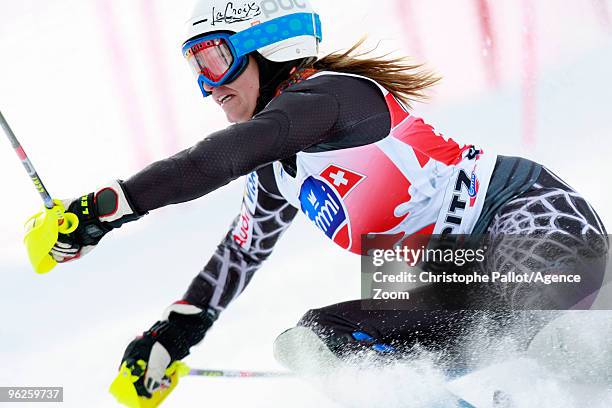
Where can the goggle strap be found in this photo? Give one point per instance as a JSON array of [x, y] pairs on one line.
[[276, 30]]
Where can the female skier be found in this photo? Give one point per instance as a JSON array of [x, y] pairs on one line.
[[331, 137]]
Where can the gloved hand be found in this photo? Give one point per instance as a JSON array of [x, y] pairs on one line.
[[98, 213], [168, 340]]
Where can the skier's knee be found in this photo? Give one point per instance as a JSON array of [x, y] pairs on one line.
[[325, 322], [341, 335], [314, 319]]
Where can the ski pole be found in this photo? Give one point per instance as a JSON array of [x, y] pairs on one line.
[[27, 163], [239, 373], [42, 229], [124, 390]]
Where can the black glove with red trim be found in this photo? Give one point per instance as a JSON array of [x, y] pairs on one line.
[[98, 213]]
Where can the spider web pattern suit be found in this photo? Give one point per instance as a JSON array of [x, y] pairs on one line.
[[549, 228], [243, 250]]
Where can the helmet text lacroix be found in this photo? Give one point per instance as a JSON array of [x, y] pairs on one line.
[[234, 14]]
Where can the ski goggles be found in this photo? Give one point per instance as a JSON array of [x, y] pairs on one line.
[[220, 57]]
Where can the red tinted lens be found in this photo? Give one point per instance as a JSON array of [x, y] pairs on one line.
[[212, 58]]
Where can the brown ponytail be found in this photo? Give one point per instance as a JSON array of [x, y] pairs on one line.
[[406, 81]]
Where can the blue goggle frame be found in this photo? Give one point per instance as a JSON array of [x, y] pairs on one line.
[[256, 37], [238, 65]]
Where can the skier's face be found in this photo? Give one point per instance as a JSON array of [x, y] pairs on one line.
[[238, 99]]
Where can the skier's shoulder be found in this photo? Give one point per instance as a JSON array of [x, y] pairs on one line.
[[348, 99], [337, 84]]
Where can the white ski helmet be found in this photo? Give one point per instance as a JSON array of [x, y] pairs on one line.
[[281, 44], [221, 33]]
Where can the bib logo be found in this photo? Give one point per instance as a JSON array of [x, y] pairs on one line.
[[322, 205], [458, 204], [473, 191], [321, 200]]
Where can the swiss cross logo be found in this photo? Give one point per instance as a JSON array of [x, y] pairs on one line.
[[343, 180]]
